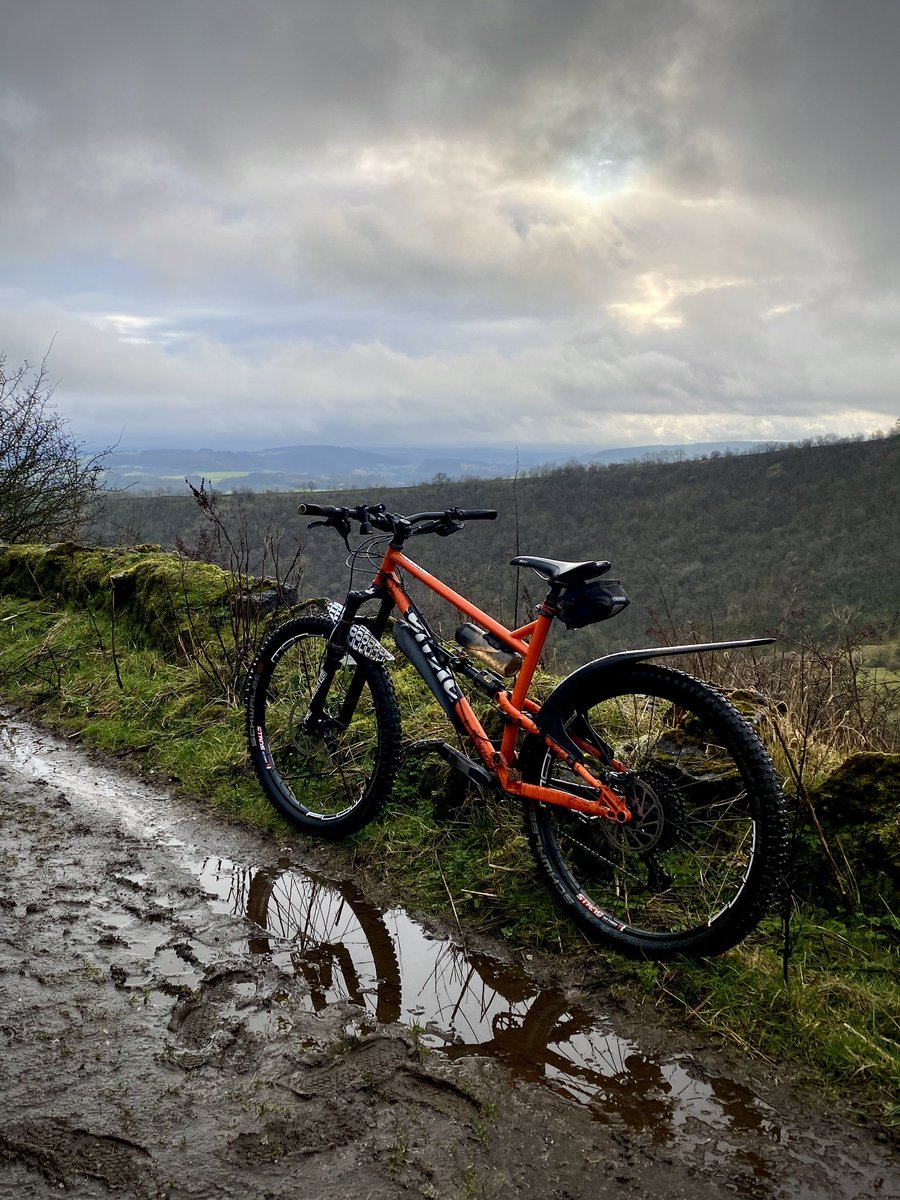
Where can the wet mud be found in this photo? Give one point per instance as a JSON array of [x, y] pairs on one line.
[[189, 1010]]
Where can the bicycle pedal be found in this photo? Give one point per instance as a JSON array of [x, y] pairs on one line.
[[422, 746]]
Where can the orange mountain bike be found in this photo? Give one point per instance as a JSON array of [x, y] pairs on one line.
[[651, 807]]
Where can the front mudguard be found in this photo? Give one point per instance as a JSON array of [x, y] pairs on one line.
[[360, 641], [567, 695]]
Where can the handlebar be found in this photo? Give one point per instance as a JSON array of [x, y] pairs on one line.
[[455, 514], [370, 516]]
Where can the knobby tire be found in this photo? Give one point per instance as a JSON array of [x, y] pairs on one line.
[[701, 861], [330, 780]]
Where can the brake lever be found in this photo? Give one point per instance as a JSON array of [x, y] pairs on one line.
[[444, 529], [425, 527], [340, 523]]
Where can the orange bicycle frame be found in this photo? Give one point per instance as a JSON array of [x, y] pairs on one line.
[[518, 710]]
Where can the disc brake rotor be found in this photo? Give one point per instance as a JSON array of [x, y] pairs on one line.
[[647, 827]]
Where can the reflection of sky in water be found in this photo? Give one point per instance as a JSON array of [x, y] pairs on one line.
[[471, 1004]]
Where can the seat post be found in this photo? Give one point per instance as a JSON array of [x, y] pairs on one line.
[[553, 594]]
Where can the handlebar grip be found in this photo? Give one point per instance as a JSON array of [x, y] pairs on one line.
[[318, 510], [478, 514]]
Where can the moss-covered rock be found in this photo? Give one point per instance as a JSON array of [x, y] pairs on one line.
[[859, 808], [862, 786], [160, 597]]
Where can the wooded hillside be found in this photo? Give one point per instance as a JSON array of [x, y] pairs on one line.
[[728, 544]]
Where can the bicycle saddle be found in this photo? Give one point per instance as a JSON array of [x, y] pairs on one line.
[[555, 570]]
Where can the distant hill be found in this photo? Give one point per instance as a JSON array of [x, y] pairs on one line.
[[287, 468], [728, 544]]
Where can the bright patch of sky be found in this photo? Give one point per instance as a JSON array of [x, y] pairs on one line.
[[574, 222]]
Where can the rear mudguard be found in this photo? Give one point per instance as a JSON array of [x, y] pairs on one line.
[[558, 705]]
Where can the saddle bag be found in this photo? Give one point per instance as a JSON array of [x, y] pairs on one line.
[[587, 603]]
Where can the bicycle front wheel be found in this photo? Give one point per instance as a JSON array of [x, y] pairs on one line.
[[699, 863], [332, 773]]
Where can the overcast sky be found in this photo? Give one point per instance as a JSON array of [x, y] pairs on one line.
[[603, 222]]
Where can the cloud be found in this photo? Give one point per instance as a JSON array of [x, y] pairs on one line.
[[408, 219]]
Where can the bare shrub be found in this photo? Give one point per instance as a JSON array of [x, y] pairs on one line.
[[47, 488], [262, 577], [817, 701]]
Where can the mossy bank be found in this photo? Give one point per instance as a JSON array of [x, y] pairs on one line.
[[140, 653]]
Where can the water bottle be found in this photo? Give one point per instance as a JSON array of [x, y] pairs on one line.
[[486, 649]]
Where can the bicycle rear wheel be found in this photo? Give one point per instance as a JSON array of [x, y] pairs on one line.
[[696, 868], [332, 774]]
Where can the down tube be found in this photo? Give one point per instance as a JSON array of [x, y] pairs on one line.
[[463, 713], [416, 642]]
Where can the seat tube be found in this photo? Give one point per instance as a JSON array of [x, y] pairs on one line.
[[523, 681]]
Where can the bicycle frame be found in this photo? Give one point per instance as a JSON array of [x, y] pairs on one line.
[[517, 708]]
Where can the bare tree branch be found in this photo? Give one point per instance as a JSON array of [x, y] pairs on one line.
[[47, 486]]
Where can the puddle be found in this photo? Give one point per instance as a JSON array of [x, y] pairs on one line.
[[465, 1003], [460, 1003]]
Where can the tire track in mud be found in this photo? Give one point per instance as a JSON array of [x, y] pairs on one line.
[[148, 1053]]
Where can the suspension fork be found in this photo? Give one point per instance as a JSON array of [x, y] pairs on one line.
[[336, 651], [380, 589]]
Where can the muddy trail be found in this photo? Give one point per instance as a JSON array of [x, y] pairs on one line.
[[190, 1010]]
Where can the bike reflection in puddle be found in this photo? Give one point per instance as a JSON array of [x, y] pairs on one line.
[[467, 1003]]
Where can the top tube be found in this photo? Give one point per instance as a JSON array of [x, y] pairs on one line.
[[512, 639]]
